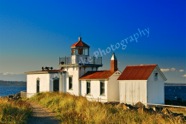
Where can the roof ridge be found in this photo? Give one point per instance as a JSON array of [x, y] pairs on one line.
[[141, 65], [101, 74]]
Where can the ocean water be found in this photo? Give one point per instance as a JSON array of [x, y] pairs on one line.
[[175, 92], [8, 90], [171, 92]]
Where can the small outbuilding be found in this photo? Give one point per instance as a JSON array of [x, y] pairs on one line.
[[142, 83]]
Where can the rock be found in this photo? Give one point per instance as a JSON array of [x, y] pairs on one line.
[[140, 110], [15, 96], [131, 107], [139, 105], [150, 110], [122, 106], [119, 106], [166, 111], [125, 107], [178, 114], [10, 96], [158, 109]]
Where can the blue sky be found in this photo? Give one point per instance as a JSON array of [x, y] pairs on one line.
[[36, 33]]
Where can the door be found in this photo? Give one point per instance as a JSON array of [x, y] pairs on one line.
[[38, 86], [56, 85]]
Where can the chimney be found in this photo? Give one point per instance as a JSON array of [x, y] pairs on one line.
[[113, 63]]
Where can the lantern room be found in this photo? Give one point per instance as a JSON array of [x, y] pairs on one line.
[[80, 48]]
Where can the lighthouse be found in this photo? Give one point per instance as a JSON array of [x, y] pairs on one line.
[[73, 67]]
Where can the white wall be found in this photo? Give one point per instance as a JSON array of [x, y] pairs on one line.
[[95, 91], [133, 91], [31, 83], [113, 87], [155, 89], [83, 70], [62, 82], [46, 83], [75, 72]]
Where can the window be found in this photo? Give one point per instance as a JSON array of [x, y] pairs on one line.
[[155, 76], [72, 51], [80, 51], [70, 83], [85, 51], [37, 85], [88, 87], [102, 88]]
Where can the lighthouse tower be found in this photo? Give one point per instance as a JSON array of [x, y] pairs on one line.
[[73, 67], [79, 52]]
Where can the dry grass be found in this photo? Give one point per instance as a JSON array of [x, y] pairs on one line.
[[14, 112], [73, 109], [178, 110]]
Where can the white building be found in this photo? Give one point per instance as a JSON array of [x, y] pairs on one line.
[[102, 85], [79, 75], [42, 81], [143, 83], [75, 66]]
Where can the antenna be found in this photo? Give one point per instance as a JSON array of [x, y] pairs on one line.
[[80, 38], [80, 34]]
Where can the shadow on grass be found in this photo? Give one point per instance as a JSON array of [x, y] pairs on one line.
[[42, 120]]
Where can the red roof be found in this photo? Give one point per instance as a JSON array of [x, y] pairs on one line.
[[79, 43], [97, 75], [137, 72]]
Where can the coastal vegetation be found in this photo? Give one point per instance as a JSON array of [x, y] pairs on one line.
[[14, 111], [76, 109]]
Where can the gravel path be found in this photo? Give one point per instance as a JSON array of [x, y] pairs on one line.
[[42, 115]]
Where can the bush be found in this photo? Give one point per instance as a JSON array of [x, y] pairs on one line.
[[16, 112]]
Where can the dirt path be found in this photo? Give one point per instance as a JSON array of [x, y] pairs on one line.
[[42, 115]]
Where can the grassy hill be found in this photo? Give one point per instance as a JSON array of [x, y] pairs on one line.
[[74, 109]]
